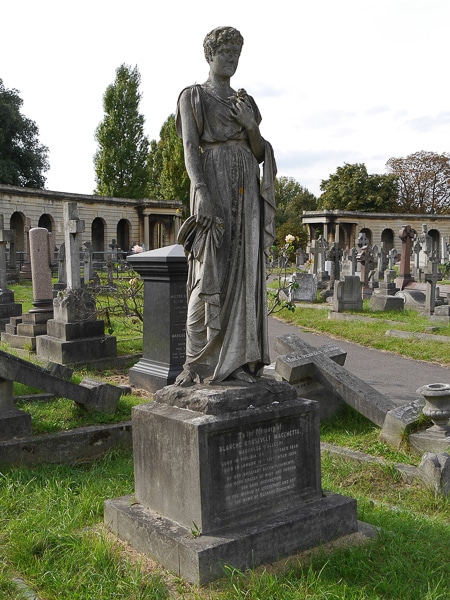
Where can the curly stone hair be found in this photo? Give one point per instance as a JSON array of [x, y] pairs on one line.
[[219, 36]]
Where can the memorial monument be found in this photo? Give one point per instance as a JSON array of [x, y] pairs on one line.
[[227, 460]]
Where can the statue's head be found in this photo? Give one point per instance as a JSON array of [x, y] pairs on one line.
[[219, 36]]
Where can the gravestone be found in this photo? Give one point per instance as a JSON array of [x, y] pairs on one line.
[[321, 248], [62, 270], [406, 234], [8, 308], [164, 272], [299, 257], [74, 334], [306, 290], [426, 247], [432, 277], [347, 294], [444, 249], [298, 360], [242, 488], [385, 297], [22, 332]]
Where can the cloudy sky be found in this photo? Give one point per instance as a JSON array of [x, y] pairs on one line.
[[336, 81]]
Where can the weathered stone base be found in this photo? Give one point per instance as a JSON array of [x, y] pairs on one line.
[[202, 559], [429, 441], [71, 352], [384, 302], [14, 423], [237, 463], [152, 375], [83, 444]]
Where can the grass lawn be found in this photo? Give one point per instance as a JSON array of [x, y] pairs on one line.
[[51, 516]]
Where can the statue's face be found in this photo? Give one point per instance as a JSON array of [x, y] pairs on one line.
[[225, 60]]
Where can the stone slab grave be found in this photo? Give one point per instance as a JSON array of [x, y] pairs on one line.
[[93, 395], [302, 362], [227, 475], [299, 360]]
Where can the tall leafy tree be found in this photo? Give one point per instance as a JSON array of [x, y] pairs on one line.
[[23, 159], [291, 200], [168, 178], [121, 159], [352, 188], [424, 182]]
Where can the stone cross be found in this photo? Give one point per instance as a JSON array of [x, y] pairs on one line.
[[321, 249], [426, 246], [444, 249], [392, 259], [62, 272], [416, 249], [382, 262], [431, 280], [334, 255], [362, 240], [299, 360], [88, 266], [353, 258], [406, 234], [73, 227], [314, 256], [367, 260]]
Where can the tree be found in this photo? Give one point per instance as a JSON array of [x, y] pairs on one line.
[[121, 160], [291, 200], [424, 182], [23, 160], [352, 188], [168, 178]]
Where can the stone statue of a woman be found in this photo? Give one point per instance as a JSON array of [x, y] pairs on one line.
[[231, 227]]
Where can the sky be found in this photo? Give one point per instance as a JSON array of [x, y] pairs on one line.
[[336, 81]]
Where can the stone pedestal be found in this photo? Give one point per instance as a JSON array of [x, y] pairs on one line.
[[8, 308], [74, 335], [22, 332], [13, 422], [227, 475], [164, 272]]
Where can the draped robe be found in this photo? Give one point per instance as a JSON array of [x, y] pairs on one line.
[[227, 307]]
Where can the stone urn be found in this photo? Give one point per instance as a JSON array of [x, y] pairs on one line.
[[437, 406]]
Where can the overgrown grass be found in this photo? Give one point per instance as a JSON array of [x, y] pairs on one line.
[[61, 414], [51, 535]]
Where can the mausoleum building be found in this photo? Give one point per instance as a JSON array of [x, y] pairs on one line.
[[344, 227]]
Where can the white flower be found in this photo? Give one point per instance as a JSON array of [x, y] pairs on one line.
[[136, 249], [289, 239]]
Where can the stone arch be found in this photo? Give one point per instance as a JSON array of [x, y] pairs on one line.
[[17, 224], [98, 234], [435, 243], [46, 221], [387, 238], [123, 235]]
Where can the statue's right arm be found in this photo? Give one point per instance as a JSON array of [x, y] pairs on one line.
[[202, 202]]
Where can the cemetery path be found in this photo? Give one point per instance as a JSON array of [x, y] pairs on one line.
[[394, 376]]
